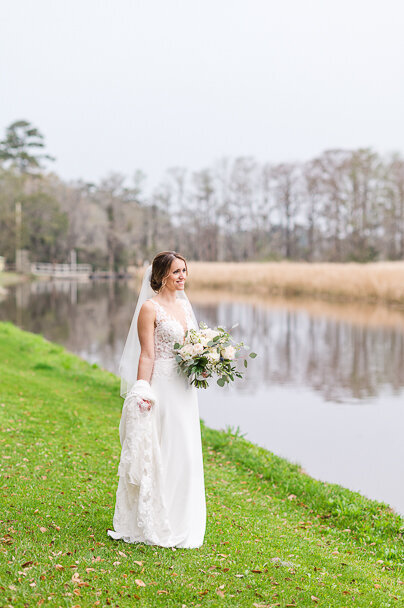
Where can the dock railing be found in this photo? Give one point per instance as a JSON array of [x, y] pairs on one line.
[[61, 270]]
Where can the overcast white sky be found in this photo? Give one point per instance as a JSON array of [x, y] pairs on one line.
[[151, 84]]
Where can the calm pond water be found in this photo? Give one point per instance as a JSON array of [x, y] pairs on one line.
[[327, 390]]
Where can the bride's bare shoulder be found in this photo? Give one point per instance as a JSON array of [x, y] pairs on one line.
[[149, 303], [147, 310]]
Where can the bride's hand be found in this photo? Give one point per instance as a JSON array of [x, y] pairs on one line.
[[144, 404]]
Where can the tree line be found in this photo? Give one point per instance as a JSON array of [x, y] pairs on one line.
[[343, 205]]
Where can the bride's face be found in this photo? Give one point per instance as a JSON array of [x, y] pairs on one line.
[[178, 274]]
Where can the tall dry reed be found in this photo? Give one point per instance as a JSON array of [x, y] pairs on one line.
[[375, 282]]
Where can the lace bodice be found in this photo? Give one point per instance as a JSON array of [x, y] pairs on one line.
[[169, 330]]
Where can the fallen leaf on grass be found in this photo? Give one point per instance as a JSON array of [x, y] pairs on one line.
[[139, 583], [220, 593], [42, 529], [257, 571], [59, 567], [138, 563], [314, 598], [26, 564], [76, 579], [160, 591], [7, 539], [116, 563]]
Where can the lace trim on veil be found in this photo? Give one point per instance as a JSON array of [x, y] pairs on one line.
[[140, 467]]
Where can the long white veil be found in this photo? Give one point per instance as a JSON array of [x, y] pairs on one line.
[[128, 365]]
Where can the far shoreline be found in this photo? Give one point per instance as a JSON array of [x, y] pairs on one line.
[[373, 283]]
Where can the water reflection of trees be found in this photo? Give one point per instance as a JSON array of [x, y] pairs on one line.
[[340, 360], [89, 319]]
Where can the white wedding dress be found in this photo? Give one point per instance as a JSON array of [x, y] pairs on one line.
[[160, 498]]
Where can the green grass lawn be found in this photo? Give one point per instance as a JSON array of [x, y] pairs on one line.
[[274, 537]]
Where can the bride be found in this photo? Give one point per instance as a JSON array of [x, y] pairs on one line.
[[160, 498]]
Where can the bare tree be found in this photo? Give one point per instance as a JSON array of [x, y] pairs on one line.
[[204, 205], [392, 208], [334, 186], [284, 178], [314, 198]]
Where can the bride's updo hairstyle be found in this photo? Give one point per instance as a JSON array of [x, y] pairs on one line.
[[161, 268]]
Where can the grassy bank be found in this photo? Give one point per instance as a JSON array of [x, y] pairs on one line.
[[381, 282], [275, 537]]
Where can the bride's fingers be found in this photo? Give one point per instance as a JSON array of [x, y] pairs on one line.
[[145, 404]]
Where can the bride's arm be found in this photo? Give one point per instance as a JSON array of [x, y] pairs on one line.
[[145, 328]]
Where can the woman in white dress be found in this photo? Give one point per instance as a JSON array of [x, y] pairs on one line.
[[160, 498]]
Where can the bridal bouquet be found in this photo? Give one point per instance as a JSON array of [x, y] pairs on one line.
[[207, 352]]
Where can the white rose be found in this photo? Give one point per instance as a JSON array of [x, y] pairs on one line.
[[211, 333], [213, 356], [197, 349], [186, 350], [228, 352]]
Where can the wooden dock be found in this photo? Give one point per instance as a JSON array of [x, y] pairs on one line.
[[62, 271]]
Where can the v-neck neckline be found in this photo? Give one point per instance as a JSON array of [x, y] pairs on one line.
[[168, 313]]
